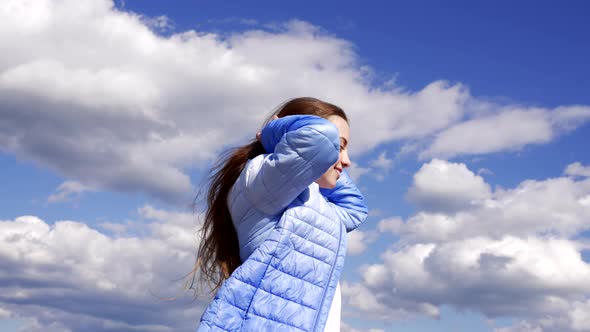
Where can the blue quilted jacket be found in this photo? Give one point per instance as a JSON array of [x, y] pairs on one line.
[[292, 234]]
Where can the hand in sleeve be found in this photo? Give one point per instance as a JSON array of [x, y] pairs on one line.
[[347, 201]]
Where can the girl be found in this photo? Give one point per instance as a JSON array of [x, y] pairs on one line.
[[274, 235]]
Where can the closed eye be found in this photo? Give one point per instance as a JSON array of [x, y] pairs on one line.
[[343, 143]]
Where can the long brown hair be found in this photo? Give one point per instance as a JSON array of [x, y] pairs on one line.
[[218, 254]]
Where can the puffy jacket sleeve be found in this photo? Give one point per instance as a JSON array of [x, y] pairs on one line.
[[301, 148], [348, 202]]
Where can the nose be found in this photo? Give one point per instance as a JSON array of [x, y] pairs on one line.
[[344, 159]]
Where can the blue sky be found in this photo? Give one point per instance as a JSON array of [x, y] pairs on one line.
[[469, 124], [497, 48]]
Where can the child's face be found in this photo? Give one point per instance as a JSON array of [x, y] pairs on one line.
[[328, 179]]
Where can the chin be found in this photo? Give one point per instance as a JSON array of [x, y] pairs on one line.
[[327, 184], [328, 180], [331, 186]]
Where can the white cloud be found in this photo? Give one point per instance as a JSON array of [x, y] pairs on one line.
[[359, 297], [4, 313], [507, 277], [382, 162], [567, 118], [517, 253], [522, 326], [160, 23], [356, 171], [576, 319], [555, 206], [580, 316], [392, 225], [68, 276], [443, 186], [377, 168], [508, 129], [577, 169], [484, 171], [68, 190], [94, 94], [358, 241], [381, 166], [234, 20], [347, 328]]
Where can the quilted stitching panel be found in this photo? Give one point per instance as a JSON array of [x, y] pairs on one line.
[[301, 266], [256, 323], [302, 230], [310, 248], [241, 296], [252, 270], [291, 288], [280, 310], [229, 316], [324, 223]]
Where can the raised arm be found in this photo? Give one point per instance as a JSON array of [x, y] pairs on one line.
[[301, 148], [348, 202]]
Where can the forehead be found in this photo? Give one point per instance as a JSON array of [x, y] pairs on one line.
[[341, 124]]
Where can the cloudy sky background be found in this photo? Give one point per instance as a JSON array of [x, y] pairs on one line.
[[469, 131]]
